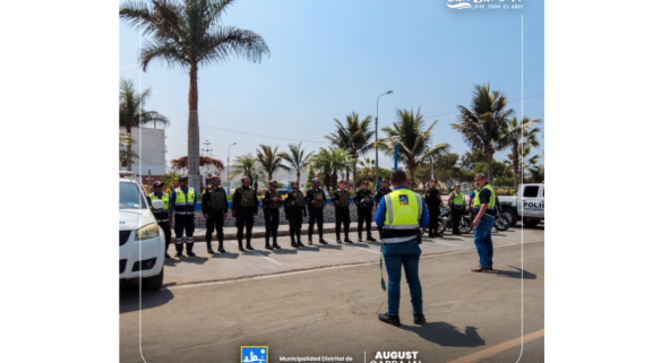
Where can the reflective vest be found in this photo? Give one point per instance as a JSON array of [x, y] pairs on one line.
[[297, 199], [343, 201], [491, 204], [404, 209], [161, 215], [248, 198], [458, 200], [184, 202], [216, 200], [271, 204]]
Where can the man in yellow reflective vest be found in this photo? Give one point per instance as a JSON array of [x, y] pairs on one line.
[[161, 215], [484, 212], [401, 214], [182, 206], [456, 201]]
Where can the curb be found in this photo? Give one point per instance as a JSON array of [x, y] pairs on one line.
[[304, 231]]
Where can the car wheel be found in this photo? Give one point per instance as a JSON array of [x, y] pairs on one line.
[[529, 222], [510, 216], [153, 283]]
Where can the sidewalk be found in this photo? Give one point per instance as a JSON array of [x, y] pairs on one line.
[[230, 233]]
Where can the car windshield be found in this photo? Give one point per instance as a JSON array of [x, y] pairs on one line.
[[130, 196]]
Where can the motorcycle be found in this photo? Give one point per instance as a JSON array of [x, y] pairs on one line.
[[501, 220], [445, 221]]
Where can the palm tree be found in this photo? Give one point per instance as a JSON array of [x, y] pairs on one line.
[[132, 114], [329, 162], [125, 155], [484, 123], [353, 137], [169, 179], [297, 159], [247, 165], [189, 34], [415, 141], [367, 168], [523, 133], [526, 163], [270, 160]]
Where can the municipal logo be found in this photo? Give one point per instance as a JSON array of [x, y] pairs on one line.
[[403, 199], [254, 354]]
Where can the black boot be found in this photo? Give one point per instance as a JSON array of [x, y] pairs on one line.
[[293, 242], [248, 245], [386, 318], [360, 237], [300, 242], [321, 240], [221, 247], [180, 248], [347, 239], [338, 239], [419, 319], [189, 249], [369, 237], [275, 243], [208, 247], [239, 245], [267, 245]]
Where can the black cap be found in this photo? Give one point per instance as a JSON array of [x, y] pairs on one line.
[[216, 178], [316, 180], [342, 182], [365, 182], [246, 179], [157, 184], [183, 178], [385, 181]]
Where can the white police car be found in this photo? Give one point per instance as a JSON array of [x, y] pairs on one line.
[[141, 241]]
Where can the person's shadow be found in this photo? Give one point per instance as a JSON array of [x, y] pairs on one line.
[[447, 335], [516, 274]]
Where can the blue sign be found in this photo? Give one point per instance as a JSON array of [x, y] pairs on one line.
[[254, 354]]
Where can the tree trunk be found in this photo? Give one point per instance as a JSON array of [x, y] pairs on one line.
[[411, 168], [193, 132], [298, 177], [516, 165], [129, 149], [354, 177], [489, 161]]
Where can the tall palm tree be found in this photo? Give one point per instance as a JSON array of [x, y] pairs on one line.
[[247, 165], [523, 133], [132, 114], [368, 168], [270, 160], [526, 162], [483, 124], [329, 162], [414, 144], [125, 155], [189, 34], [169, 179], [297, 159], [354, 137]]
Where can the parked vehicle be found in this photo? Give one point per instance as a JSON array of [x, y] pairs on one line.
[[445, 222], [141, 241], [527, 204], [502, 223]]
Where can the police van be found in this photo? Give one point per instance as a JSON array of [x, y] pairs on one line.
[[527, 204], [141, 241]]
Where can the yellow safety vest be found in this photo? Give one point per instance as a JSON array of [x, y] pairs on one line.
[[161, 215], [184, 202], [404, 209], [459, 199], [491, 204]]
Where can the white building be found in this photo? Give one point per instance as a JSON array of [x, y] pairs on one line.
[[149, 144]]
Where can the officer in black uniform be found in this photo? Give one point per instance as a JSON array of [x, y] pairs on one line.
[[294, 207], [215, 211], [161, 215], [433, 201], [271, 204], [383, 191], [340, 200], [316, 202], [364, 205], [245, 206]]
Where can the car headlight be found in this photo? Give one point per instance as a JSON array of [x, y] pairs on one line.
[[147, 232]]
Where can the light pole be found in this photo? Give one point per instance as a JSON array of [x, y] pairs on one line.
[[228, 169], [376, 135], [396, 140]]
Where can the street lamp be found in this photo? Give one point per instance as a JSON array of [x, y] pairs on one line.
[[376, 135], [396, 140], [228, 168]]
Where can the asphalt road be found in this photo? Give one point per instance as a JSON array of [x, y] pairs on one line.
[[317, 308]]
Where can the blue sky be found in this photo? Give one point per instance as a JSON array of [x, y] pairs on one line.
[[332, 57]]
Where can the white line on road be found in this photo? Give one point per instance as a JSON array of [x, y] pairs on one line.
[[263, 256]]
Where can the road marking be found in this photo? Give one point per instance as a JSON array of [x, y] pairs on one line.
[[261, 255], [368, 250], [315, 269], [489, 352]]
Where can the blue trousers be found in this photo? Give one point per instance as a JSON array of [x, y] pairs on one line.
[[484, 241], [406, 254]]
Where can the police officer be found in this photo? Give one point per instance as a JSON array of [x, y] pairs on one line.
[[245, 206], [401, 214], [484, 212], [364, 205], [340, 200], [271, 204], [384, 189], [182, 205], [316, 202], [162, 215], [215, 211], [433, 200], [294, 207], [456, 201]]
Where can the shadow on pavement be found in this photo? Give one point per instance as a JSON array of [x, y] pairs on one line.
[[226, 255], [447, 335], [198, 260], [170, 262], [129, 300], [334, 246], [516, 274], [285, 251]]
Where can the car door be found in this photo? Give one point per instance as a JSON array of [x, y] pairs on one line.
[[533, 201]]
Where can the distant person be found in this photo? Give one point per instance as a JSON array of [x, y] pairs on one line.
[[364, 206], [294, 208], [316, 202], [245, 207], [384, 189], [271, 204], [340, 200], [456, 201], [162, 215], [484, 220], [433, 201], [215, 211], [182, 206], [401, 214]]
